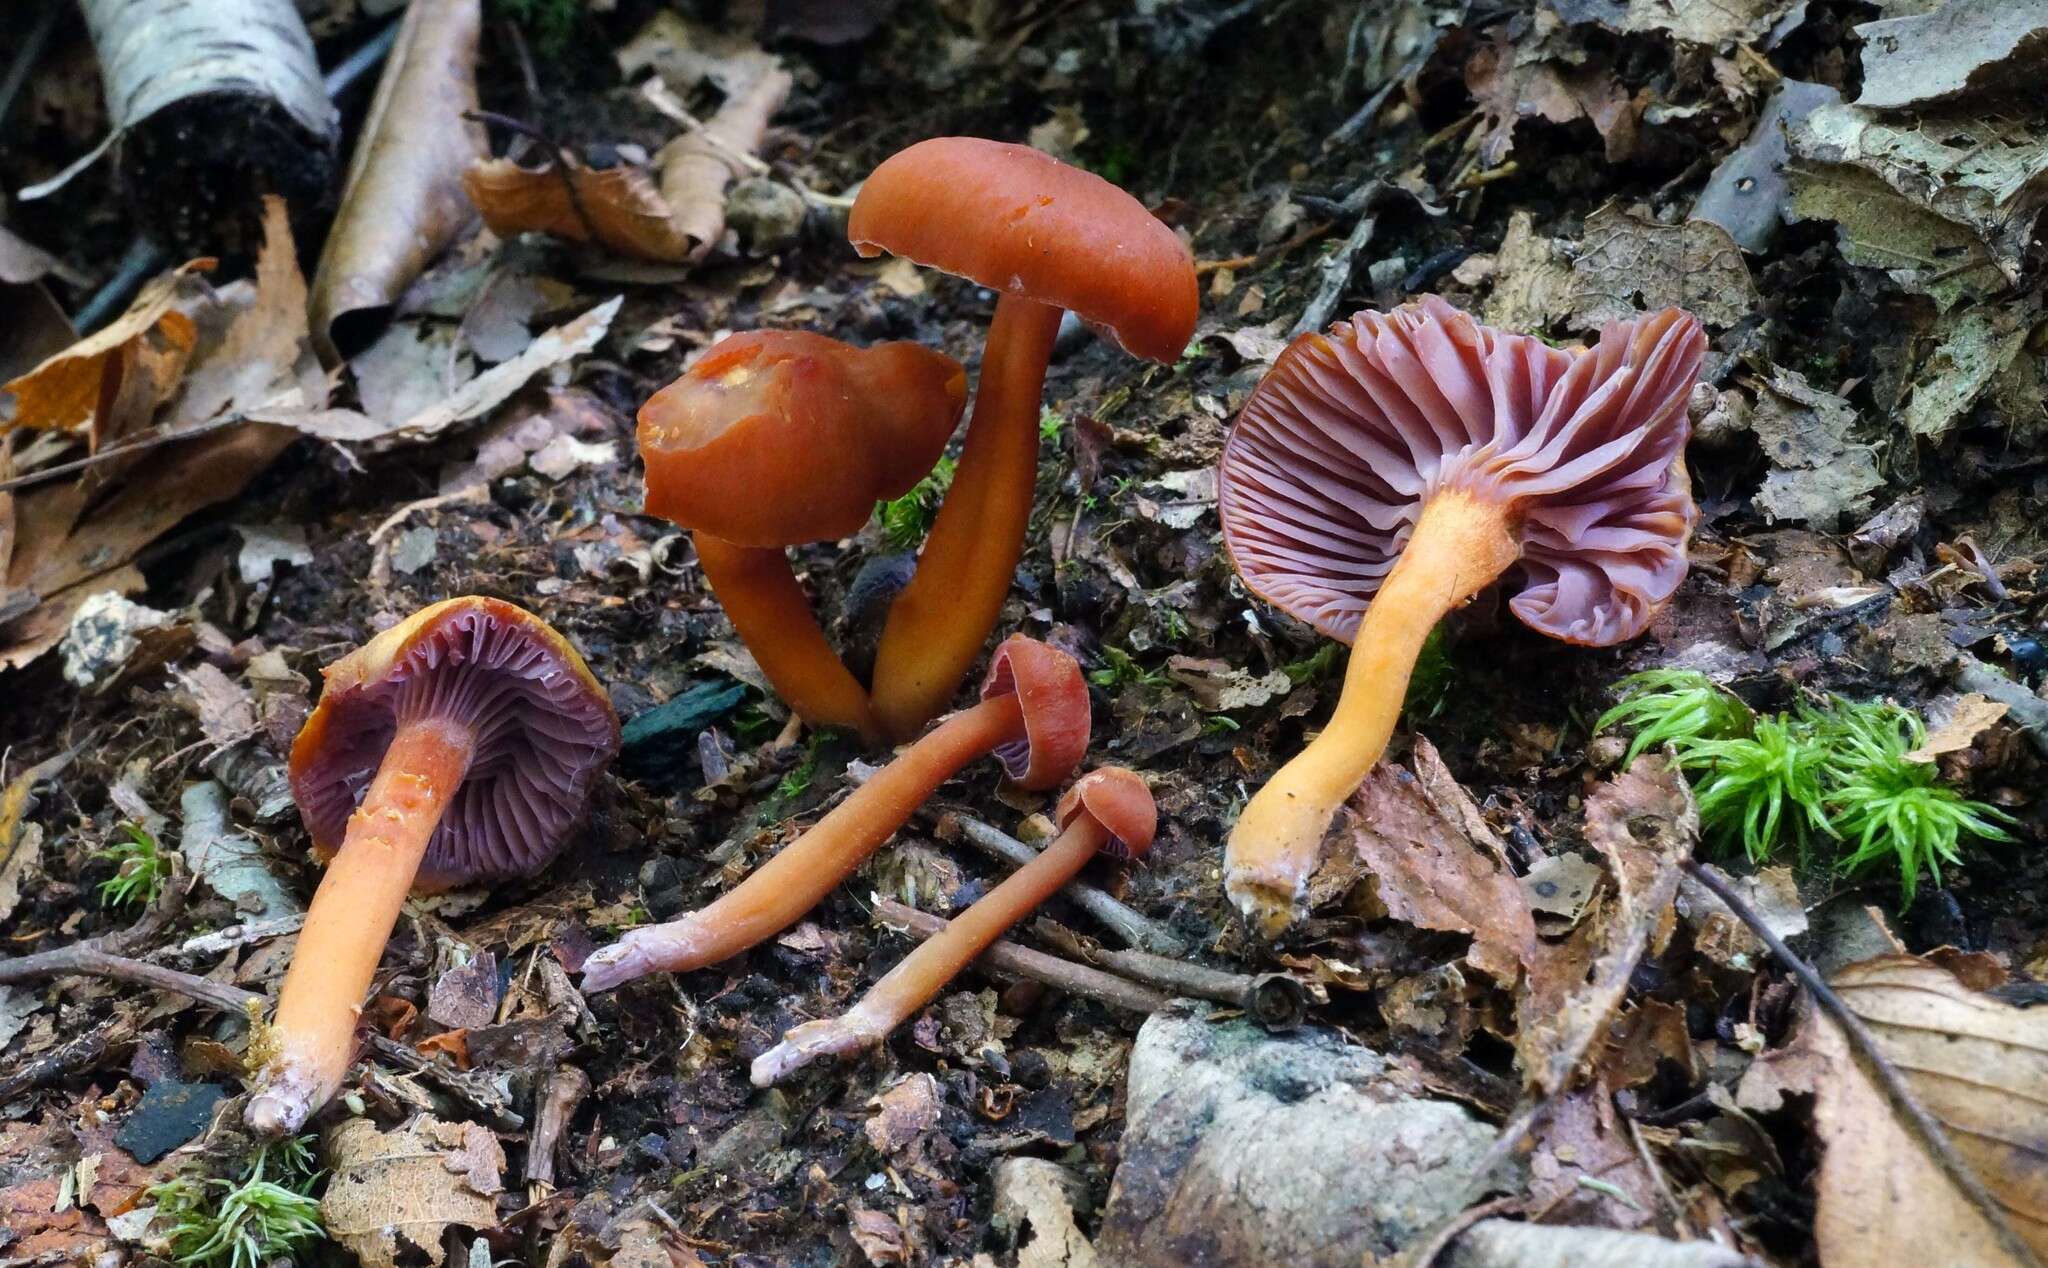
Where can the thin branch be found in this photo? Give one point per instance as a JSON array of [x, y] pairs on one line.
[[1277, 1001], [85, 960], [1882, 1071], [1076, 979], [1132, 926]]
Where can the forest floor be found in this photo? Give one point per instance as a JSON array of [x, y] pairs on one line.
[[1870, 456]]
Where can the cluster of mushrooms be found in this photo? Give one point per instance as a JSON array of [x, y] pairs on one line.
[[1381, 475]]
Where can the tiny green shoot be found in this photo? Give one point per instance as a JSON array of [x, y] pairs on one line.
[[244, 1223], [907, 519], [1313, 667], [1120, 668], [140, 868], [1050, 424]]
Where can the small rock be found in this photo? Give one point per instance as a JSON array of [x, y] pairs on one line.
[[103, 635], [170, 1114], [415, 549], [1512, 1244], [766, 214], [1245, 1147]]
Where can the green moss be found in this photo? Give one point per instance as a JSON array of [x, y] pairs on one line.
[[246, 1222], [907, 519], [141, 869]]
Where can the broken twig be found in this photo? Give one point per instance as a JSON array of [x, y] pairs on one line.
[[1076, 979]]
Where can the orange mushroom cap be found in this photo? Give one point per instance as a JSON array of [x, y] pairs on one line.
[[1120, 801], [1019, 221], [1054, 700], [544, 729], [779, 437]]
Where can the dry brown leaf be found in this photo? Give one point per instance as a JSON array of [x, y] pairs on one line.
[[405, 1187], [63, 391], [1644, 825], [1531, 276], [1627, 262], [1580, 1139], [477, 396], [1438, 864], [1976, 1063], [403, 201], [21, 844], [264, 352], [697, 166], [617, 208], [1508, 87], [1972, 715]]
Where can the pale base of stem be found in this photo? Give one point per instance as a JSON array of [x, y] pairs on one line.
[[1460, 546], [849, 1033]]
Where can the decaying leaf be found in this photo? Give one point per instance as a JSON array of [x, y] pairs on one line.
[[152, 338], [398, 1189], [1219, 686], [1628, 262], [1531, 278], [1510, 83], [1644, 826], [697, 166], [1973, 714], [1979, 1065], [1973, 346], [617, 208], [1819, 473], [1965, 48], [21, 844], [1582, 1138], [403, 201], [1721, 936], [1034, 1194], [1946, 205], [1720, 23], [1437, 864], [469, 400]]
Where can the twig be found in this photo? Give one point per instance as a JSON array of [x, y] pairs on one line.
[[469, 1088], [25, 56], [149, 440], [1276, 1001], [1337, 270], [82, 959], [554, 1104], [224, 940], [1878, 1066], [1077, 979], [1133, 927], [86, 1050]]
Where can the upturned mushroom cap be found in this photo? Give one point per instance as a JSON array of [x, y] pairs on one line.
[[1328, 466], [1054, 697], [1121, 802], [544, 730], [779, 437], [1019, 221]]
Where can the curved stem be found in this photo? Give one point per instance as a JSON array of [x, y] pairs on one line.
[[312, 1033], [937, 626], [781, 890], [762, 599], [1460, 545], [923, 973]]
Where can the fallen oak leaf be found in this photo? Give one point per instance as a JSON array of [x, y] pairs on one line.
[[409, 1184], [1973, 714], [1977, 1064], [617, 208]]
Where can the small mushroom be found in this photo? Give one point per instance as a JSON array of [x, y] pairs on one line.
[[1047, 237], [1033, 717], [1108, 810], [776, 438], [460, 745], [1383, 474]]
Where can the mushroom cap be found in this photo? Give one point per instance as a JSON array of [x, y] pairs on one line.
[[1329, 464], [779, 437], [1054, 697], [1121, 802], [543, 726], [1019, 221]]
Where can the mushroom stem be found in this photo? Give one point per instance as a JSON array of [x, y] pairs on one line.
[[923, 973], [940, 621], [762, 599], [312, 1033], [1460, 545], [781, 890]]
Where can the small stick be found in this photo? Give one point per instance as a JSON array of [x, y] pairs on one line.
[[1133, 927], [1077, 979], [86, 960], [84, 1051], [1276, 1001], [1886, 1075], [554, 1104], [470, 1088], [223, 940]]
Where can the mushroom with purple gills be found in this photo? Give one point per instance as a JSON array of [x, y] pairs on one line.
[[460, 745], [1048, 238], [777, 438], [1109, 811], [1386, 472], [1033, 716]]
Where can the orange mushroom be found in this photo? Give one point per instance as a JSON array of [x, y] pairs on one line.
[[1109, 810], [1383, 474], [1033, 716], [459, 745], [776, 438], [1047, 237]]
